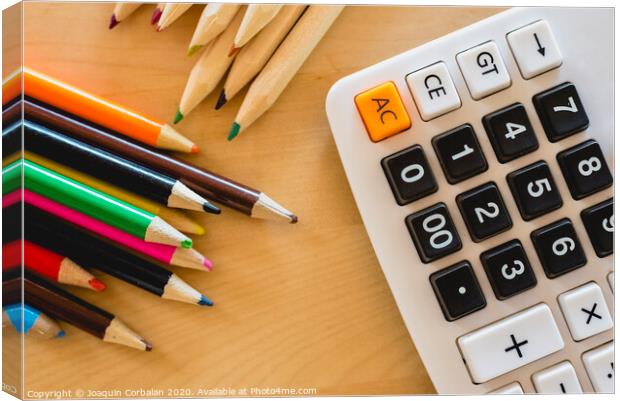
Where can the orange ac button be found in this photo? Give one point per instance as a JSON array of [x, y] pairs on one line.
[[382, 111]]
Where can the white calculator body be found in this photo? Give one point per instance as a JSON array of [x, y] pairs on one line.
[[481, 164]]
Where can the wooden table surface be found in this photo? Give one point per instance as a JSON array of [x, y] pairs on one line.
[[297, 306]]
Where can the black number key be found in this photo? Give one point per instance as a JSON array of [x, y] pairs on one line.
[[457, 291], [534, 190], [459, 154], [561, 112], [599, 223], [584, 169], [558, 248], [484, 211], [433, 232], [508, 269], [510, 132], [409, 175]]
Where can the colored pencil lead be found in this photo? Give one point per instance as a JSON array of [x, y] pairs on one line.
[[205, 301], [211, 208], [221, 101], [97, 284], [178, 117], [234, 131], [195, 149], [156, 16], [61, 334], [192, 50], [113, 22], [233, 50]]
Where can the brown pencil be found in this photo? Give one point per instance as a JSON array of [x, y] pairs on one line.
[[121, 12], [170, 13], [214, 19], [59, 304], [253, 56], [208, 70], [283, 65], [254, 19]]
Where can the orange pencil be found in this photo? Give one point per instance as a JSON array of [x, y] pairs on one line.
[[104, 113], [11, 86]]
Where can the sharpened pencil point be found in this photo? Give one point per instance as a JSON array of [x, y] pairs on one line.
[[147, 346], [61, 334], [234, 131], [221, 101], [113, 22], [187, 243], [232, 50], [178, 117], [208, 264], [293, 219], [204, 301], [195, 149], [97, 284], [192, 50], [156, 15], [211, 208]]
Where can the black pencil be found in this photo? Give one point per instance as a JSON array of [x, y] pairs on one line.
[[89, 250], [112, 168], [59, 304]]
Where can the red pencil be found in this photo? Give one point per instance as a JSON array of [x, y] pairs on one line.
[[49, 264]]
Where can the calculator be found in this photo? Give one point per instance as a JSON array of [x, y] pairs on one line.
[[481, 164]]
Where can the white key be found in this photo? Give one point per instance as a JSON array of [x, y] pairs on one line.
[[535, 49], [585, 311], [433, 91], [557, 379], [510, 343], [610, 279], [599, 364], [512, 388], [484, 70]]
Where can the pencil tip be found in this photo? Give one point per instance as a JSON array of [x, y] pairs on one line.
[[178, 117], [147, 345], [232, 50], [211, 208], [234, 131], [192, 50], [195, 149], [156, 15], [61, 334], [293, 219], [186, 243], [97, 284], [221, 101], [204, 301], [208, 264], [113, 22]]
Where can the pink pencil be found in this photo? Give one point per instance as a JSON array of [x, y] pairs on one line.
[[11, 198], [164, 253]]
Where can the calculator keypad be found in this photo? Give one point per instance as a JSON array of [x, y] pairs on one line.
[[510, 132], [433, 91], [508, 269], [599, 223], [382, 111], [561, 112], [484, 70], [558, 248], [457, 291], [409, 175], [585, 311], [459, 154], [535, 49], [534, 190], [433, 232], [484, 212], [584, 169]]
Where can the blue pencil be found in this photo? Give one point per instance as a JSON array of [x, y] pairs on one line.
[[35, 322]]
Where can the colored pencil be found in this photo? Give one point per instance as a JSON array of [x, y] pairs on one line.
[[170, 13], [90, 250], [121, 12], [104, 113], [208, 70], [30, 321], [168, 254], [284, 63], [11, 177], [255, 19], [206, 183], [48, 263], [11, 198], [112, 168], [253, 56], [11, 87], [11, 113], [157, 13], [60, 304], [176, 218], [214, 19], [122, 215]]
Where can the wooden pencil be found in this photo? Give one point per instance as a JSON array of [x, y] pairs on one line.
[[243, 198], [176, 218], [104, 113], [60, 304], [121, 12], [283, 65], [115, 169], [30, 321], [122, 215], [253, 56], [48, 263], [168, 254], [11, 138], [157, 13], [90, 250], [170, 13], [11, 87], [255, 19], [208, 70], [11, 113], [214, 19]]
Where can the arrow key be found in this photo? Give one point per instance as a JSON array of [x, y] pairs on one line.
[[535, 49]]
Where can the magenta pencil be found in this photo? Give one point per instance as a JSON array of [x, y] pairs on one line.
[[11, 198], [168, 254]]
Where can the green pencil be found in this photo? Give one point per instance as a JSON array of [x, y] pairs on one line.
[[97, 204], [11, 177]]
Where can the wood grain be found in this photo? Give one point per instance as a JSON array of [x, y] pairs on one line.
[[297, 306]]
